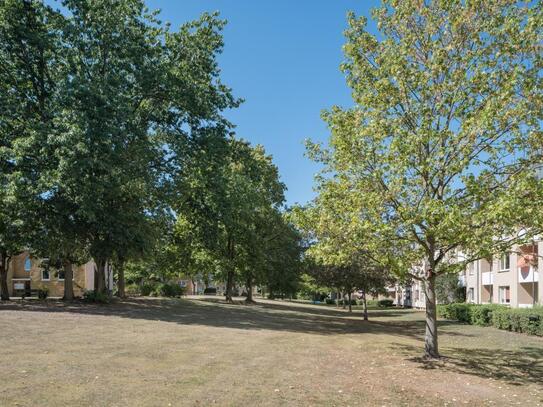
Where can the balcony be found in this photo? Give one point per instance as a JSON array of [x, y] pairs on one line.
[[528, 274], [488, 278]]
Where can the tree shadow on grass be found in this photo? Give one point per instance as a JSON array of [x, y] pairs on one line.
[[516, 367], [216, 313]]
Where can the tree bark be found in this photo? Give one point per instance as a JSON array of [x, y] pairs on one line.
[[4, 291], [337, 299], [229, 286], [120, 280], [343, 299], [350, 306], [68, 280], [365, 303], [430, 338], [100, 277], [249, 287]]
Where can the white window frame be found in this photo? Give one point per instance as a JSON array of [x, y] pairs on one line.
[[45, 279], [471, 294], [501, 294], [502, 258], [63, 279]]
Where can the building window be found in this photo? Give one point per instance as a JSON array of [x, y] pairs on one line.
[[471, 268], [28, 264], [505, 262], [61, 274], [504, 295], [471, 294], [45, 275]]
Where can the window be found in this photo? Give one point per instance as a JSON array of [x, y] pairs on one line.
[[505, 262], [471, 294], [471, 268], [61, 274], [45, 275], [505, 295], [28, 264]]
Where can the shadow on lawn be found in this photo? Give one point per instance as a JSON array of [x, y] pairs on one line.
[[517, 367], [263, 315]]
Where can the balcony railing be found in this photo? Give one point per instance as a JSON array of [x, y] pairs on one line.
[[528, 274], [488, 278]]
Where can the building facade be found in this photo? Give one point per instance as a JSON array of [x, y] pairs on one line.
[[509, 279], [28, 274]]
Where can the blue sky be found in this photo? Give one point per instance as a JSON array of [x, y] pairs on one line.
[[282, 57]]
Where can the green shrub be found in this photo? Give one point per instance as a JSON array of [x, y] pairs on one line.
[[210, 291], [330, 301], [385, 303], [346, 302], [372, 303], [482, 314], [147, 288], [132, 290], [43, 293], [457, 311], [523, 320], [168, 290], [92, 296]]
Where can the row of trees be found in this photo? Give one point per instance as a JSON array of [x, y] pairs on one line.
[[113, 146], [436, 164]]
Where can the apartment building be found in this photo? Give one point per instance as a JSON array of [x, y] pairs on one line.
[[27, 274], [511, 278]]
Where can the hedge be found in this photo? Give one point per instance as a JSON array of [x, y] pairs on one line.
[[523, 320]]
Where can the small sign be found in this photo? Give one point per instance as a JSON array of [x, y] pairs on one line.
[[19, 286]]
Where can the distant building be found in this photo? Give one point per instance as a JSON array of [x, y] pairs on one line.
[[27, 274]]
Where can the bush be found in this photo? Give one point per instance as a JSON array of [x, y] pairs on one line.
[[92, 296], [43, 293], [330, 301], [482, 314], [146, 289], [523, 320], [132, 290], [372, 303], [168, 290], [210, 291], [457, 311], [385, 303]]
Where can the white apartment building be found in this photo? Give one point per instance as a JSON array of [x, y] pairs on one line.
[[510, 279]]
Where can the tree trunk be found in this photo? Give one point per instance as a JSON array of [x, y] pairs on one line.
[[100, 277], [430, 339], [120, 280], [229, 286], [4, 291], [249, 287], [350, 306], [68, 280], [343, 299], [337, 298], [365, 303]]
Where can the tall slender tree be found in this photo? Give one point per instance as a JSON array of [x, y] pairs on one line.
[[442, 145]]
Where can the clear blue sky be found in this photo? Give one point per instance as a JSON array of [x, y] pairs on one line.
[[282, 57]]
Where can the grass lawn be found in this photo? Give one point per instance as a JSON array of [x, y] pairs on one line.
[[161, 352]]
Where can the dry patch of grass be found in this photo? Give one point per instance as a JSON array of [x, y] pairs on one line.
[[158, 352]]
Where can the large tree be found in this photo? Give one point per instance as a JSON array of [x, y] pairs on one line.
[[441, 147], [32, 63]]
